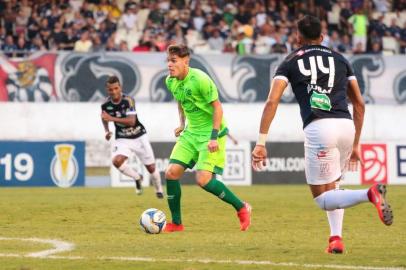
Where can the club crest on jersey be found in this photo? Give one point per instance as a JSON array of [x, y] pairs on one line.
[[64, 166]]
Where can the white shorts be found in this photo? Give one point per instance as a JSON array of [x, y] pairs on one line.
[[140, 146], [328, 146]]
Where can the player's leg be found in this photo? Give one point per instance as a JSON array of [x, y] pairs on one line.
[[327, 150], [121, 152], [143, 150], [156, 180], [182, 157], [208, 166], [174, 193]]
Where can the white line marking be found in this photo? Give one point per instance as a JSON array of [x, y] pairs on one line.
[[61, 246]]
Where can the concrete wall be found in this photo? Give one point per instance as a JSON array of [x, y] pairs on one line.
[[81, 121]]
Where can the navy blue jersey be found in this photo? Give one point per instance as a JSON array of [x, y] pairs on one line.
[[319, 80], [124, 108]]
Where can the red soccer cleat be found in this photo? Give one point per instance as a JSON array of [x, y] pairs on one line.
[[173, 227], [336, 245], [376, 195], [244, 214]]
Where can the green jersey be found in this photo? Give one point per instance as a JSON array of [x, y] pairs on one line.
[[195, 94]]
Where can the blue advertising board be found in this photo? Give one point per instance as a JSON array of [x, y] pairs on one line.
[[56, 163]]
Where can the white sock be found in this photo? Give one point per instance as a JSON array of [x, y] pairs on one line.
[[335, 219], [156, 181], [127, 170], [341, 198]]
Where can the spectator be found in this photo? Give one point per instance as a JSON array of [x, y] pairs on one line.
[[198, 18], [22, 47], [129, 18], [359, 23], [334, 41], [166, 21], [381, 5], [21, 22], [58, 36], [345, 46], [279, 46], [216, 42], [9, 47], [393, 30], [110, 45], [123, 47], [378, 25], [45, 32], [70, 39], [345, 14], [376, 48], [97, 44], [244, 43], [84, 44], [243, 16]]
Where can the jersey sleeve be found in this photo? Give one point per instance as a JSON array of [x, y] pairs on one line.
[[208, 89], [131, 107], [349, 70], [282, 72]]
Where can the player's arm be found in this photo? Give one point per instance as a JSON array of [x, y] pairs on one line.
[[182, 121], [129, 120], [268, 114], [217, 117], [107, 132], [355, 96]]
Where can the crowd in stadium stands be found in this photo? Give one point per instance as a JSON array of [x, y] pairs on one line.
[[242, 27]]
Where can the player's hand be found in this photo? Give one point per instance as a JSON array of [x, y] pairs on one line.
[[106, 117], [178, 131], [355, 158], [259, 157], [108, 135], [213, 146]]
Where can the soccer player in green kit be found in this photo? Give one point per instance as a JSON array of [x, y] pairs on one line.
[[202, 142]]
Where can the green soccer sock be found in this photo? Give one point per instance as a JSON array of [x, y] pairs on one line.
[[217, 188], [173, 193]]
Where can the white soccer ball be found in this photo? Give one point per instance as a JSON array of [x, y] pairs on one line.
[[153, 221]]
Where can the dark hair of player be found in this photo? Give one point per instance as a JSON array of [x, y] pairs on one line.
[[309, 27], [179, 50], [112, 79]]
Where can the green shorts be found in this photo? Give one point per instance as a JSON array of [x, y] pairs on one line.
[[191, 150]]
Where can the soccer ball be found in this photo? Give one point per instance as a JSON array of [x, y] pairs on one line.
[[153, 221]]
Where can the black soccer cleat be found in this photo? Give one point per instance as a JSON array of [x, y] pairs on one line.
[[138, 186]]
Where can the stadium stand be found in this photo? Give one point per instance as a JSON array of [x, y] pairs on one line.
[[242, 27]]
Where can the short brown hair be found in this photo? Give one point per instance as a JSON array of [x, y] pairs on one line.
[[112, 79], [180, 50]]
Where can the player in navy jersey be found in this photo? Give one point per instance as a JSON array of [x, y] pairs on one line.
[[130, 135], [321, 81]]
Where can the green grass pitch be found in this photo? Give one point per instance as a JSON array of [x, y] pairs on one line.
[[288, 231]]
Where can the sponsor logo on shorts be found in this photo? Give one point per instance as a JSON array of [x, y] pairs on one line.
[[375, 167], [322, 154]]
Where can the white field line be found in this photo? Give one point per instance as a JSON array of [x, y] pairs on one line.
[[58, 246], [61, 246]]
